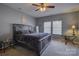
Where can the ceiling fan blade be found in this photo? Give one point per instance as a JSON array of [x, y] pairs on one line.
[[36, 9], [50, 6], [35, 5]]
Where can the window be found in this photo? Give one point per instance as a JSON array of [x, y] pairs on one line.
[[47, 27], [37, 29], [57, 27]]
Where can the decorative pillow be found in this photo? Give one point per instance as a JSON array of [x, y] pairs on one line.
[[25, 32], [18, 32], [31, 31]]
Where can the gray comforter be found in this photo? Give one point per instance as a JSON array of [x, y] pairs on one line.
[[36, 35], [33, 39]]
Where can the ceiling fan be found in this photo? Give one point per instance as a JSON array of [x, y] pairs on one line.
[[42, 6]]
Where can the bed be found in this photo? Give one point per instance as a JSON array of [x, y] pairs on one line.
[[24, 35]]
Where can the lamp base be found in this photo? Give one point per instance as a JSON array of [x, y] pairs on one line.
[[73, 34]]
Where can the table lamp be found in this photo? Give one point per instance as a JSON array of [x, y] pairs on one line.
[[73, 28]]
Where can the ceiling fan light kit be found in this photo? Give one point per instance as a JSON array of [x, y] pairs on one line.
[[42, 7]]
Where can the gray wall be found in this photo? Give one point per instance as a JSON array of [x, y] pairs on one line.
[[10, 16], [68, 20]]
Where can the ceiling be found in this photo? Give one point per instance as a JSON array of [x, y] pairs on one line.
[[30, 10]]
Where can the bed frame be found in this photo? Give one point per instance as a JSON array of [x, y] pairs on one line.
[[42, 43]]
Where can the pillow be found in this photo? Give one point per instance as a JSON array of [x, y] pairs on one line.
[[31, 31], [18, 32], [25, 32]]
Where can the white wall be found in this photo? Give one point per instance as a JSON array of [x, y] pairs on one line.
[[10, 16]]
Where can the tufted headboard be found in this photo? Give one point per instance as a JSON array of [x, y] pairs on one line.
[[21, 27]]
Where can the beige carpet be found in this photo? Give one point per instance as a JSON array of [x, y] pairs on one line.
[[58, 48]]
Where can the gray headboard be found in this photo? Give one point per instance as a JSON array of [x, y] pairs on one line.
[[21, 27]]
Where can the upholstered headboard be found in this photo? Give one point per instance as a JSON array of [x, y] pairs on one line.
[[21, 27]]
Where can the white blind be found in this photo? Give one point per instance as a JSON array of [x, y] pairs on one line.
[[57, 27], [47, 27]]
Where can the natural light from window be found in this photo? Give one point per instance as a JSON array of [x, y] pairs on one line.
[[47, 27], [57, 27]]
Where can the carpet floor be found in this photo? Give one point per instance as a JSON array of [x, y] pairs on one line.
[[58, 48]]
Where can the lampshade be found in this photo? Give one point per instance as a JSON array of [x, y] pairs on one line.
[[73, 26]]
